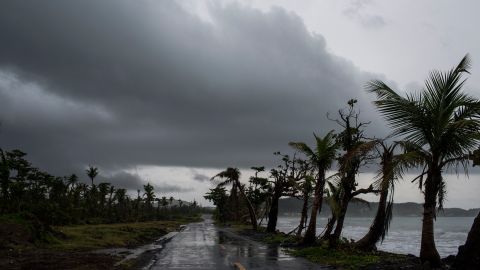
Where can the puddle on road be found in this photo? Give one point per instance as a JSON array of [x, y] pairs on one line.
[[245, 248]]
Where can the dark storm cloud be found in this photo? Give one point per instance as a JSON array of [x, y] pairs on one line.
[[122, 83], [123, 180], [133, 182]]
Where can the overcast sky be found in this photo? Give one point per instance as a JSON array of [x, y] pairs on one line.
[[172, 91]]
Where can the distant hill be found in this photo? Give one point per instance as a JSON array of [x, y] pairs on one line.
[[291, 206]]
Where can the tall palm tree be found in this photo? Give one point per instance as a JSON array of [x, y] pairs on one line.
[[92, 172], [322, 157], [232, 176], [444, 123]]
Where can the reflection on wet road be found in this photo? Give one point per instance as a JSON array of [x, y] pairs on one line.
[[204, 246]]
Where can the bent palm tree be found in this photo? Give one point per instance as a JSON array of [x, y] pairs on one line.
[[322, 158], [392, 168], [232, 176], [444, 123], [332, 198]]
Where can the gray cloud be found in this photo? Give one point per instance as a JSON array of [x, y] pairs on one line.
[[167, 188], [201, 177], [123, 83], [123, 180], [356, 11], [133, 182]]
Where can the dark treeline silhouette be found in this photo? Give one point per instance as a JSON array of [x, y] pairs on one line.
[[54, 200], [436, 130]]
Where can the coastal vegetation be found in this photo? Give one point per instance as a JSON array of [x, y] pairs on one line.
[[44, 216], [434, 130]]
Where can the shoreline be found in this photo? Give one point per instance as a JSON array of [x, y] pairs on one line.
[[342, 258]]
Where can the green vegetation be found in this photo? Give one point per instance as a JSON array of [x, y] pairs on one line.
[[281, 238], [88, 237], [35, 206], [347, 259], [436, 129]]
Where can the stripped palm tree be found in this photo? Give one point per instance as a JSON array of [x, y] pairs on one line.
[[232, 176], [444, 123], [321, 157], [306, 187], [332, 198], [392, 168]]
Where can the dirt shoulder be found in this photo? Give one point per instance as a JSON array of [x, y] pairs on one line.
[[75, 247]]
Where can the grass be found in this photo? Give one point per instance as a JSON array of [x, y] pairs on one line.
[[90, 237], [346, 256], [346, 259], [280, 238]]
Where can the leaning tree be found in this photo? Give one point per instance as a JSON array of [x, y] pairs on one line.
[[321, 157], [232, 176], [393, 164]]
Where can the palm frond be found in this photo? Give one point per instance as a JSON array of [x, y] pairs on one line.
[[302, 147], [388, 217]]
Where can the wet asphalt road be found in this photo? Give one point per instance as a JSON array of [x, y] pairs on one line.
[[204, 246]]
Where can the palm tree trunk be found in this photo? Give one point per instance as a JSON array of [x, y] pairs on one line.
[[341, 218], [304, 217], [375, 232], [428, 250], [273, 213], [251, 211], [329, 228], [265, 212], [233, 204], [468, 256], [311, 233]]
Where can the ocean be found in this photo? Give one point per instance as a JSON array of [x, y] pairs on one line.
[[404, 234]]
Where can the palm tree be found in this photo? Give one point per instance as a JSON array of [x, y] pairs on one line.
[[322, 158], [306, 189], [392, 168], [164, 202], [332, 198], [355, 153], [149, 195], [92, 172], [72, 181], [444, 123], [232, 176]]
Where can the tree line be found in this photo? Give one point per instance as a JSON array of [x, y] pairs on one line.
[[433, 130], [53, 200]]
